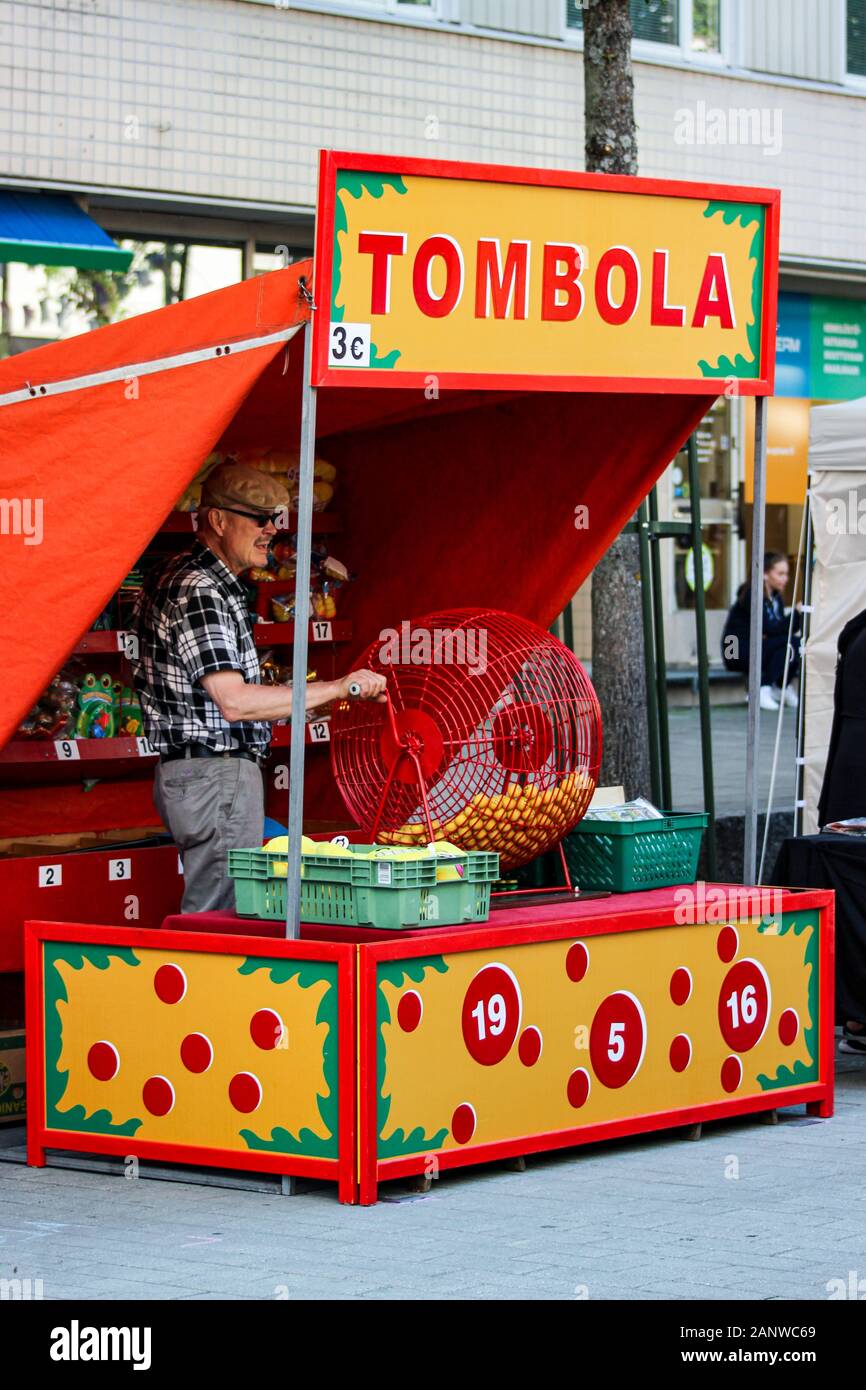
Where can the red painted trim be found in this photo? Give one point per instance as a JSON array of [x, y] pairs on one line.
[[346, 1078], [331, 161], [711, 386], [770, 302], [34, 1046], [827, 1004], [323, 264], [391, 1168], [292, 1165], [368, 1077], [613, 917], [212, 942]]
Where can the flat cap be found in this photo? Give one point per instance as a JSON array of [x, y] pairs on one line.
[[239, 485]]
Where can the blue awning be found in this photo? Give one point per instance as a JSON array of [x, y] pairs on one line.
[[51, 229]]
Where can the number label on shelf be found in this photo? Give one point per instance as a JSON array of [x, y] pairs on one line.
[[322, 631], [119, 868], [349, 345], [50, 875], [127, 642], [321, 732], [144, 748], [67, 749]]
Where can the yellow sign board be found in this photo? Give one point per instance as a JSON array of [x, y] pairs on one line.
[[431, 274]]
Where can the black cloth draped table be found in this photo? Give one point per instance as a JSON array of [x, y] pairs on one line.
[[839, 862]]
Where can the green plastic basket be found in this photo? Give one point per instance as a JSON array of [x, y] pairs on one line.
[[348, 891], [630, 856]]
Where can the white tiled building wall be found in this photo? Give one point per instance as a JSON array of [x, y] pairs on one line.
[[230, 100]]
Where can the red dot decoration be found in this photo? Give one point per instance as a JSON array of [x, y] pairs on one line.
[[578, 1088], [463, 1123], [681, 985], [266, 1029], [170, 984], [245, 1092], [789, 1027], [529, 1046], [732, 1074], [744, 1005], [158, 1095], [727, 944], [577, 962], [409, 1010], [680, 1052], [196, 1052], [103, 1061], [617, 1039], [492, 1009]]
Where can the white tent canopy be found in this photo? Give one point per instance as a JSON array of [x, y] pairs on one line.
[[837, 486]]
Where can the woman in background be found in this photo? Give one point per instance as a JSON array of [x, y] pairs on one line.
[[774, 641]]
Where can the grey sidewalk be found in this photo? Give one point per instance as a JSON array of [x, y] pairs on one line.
[[728, 724], [655, 1217]]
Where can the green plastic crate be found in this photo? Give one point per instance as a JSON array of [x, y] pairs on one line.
[[631, 856], [348, 891]]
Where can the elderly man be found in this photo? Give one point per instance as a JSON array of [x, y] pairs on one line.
[[197, 675]]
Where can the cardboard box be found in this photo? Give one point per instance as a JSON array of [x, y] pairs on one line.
[[12, 1083]]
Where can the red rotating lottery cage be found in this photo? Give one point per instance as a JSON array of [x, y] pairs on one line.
[[490, 737]]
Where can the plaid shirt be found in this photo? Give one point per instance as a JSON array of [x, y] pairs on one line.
[[191, 618]]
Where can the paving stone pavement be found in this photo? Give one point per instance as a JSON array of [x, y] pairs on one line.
[[728, 725], [652, 1217]]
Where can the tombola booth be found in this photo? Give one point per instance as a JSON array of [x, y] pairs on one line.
[[499, 362]]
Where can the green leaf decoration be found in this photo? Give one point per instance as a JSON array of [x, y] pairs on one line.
[[799, 923], [747, 214], [395, 972], [307, 973], [56, 1079], [354, 184]]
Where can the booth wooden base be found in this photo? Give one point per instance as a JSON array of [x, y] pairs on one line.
[[365, 1058]]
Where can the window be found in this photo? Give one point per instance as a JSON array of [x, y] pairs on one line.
[[706, 26], [857, 37], [693, 26], [656, 21]]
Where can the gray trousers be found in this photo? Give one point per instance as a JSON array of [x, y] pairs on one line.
[[210, 805]]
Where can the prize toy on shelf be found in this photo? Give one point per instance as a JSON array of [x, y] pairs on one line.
[[54, 714], [96, 707], [283, 464], [327, 576]]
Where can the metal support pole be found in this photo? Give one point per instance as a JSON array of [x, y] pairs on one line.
[[756, 633], [703, 659], [300, 644], [649, 654], [661, 664], [800, 780]]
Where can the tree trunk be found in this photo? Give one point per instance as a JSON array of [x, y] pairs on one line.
[[618, 672]]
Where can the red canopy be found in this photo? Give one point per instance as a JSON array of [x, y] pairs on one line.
[[466, 499]]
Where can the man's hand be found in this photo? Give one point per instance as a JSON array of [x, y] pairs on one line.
[[371, 686]]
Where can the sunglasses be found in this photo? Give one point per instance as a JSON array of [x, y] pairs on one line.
[[261, 519]]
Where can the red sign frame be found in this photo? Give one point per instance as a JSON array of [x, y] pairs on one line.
[[331, 161]]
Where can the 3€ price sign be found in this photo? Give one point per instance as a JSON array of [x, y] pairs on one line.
[[480, 275]]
